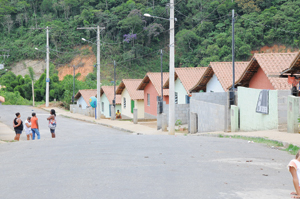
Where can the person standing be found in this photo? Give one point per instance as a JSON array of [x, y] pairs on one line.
[[27, 128], [18, 126], [35, 127], [52, 122]]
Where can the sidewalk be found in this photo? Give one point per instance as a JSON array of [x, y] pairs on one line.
[[6, 133], [284, 137], [127, 126]]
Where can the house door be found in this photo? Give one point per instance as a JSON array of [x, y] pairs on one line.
[[132, 105], [110, 110]]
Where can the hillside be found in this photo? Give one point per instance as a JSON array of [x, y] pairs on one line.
[[203, 31]]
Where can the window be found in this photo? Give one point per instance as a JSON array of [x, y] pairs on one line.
[[124, 102], [148, 99], [102, 104], [176, 98]]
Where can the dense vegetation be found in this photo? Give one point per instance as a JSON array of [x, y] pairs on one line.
[[203, 32]]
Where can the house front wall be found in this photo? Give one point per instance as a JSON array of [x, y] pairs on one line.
[[82, 103], [213, 85], [260, 81], [126, 111], [152, 108], [181, 92], [105, 109]]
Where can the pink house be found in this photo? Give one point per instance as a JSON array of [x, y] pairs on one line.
[[151, 85], [264, 69]]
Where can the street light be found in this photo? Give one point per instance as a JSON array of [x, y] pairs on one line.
[[171, 68], [36, 48], [83, 39]]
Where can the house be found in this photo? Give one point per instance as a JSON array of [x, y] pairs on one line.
[[218, 77], [185, 79], [151, 86], [131, 98], [83, 97], [264, 69], [107, 96]]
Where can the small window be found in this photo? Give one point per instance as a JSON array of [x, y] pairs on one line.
[[176, 98], [124, 102], [187, 99], [102, 104], [148, 99]]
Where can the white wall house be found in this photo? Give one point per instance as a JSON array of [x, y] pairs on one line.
[[214, 85], [131, 98], [81, 103], [107, 96]]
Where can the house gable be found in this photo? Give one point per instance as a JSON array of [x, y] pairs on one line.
[[260, 81], [214, 85], [151, 91], [181, 91]]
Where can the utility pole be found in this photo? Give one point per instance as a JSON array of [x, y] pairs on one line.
[[98, 67], [73, 97], [47, 64], [233, 71], [162, 78], [171, 71], [114, 83]]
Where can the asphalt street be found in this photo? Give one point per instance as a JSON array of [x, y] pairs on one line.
[[92, 161]]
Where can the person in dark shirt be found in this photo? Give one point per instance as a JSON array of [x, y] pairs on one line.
[[18, 126]]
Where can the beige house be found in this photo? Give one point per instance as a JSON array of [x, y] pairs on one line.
[[131, 98]]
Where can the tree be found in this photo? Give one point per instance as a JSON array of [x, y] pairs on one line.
[[31, 74]]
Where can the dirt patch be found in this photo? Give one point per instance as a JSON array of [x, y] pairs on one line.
[[84, 64], [21, 68], [274, 49]]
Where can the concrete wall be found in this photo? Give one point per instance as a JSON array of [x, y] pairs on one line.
[[179, 88], [212, 109], [213, 85], [249, 119], [126, 112], [260, 81], [282, 109], [139, 105], [82, 103], [106, 106], [181, 112], [88, 111]]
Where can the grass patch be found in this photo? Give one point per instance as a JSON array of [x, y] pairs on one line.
[[292, 149], [255, 139]]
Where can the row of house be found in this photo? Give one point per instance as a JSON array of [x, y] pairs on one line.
[[261, 72]]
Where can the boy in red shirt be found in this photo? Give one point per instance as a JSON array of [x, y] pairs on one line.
[[35, 127]]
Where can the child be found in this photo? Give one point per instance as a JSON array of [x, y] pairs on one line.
[[27, 128], [294, 168]]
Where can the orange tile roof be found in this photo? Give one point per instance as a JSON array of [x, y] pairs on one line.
[[131, 86], [86, 94], [109, 92], [188, 76], [272, 64], [295, 65], [155, 79], [223, 71]]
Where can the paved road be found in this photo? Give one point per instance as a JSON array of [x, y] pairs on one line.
[[92, 161]]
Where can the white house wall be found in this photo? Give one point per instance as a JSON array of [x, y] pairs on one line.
[[81, 102], [213, 85], [106, 105], [179, 88], [126, 111]]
